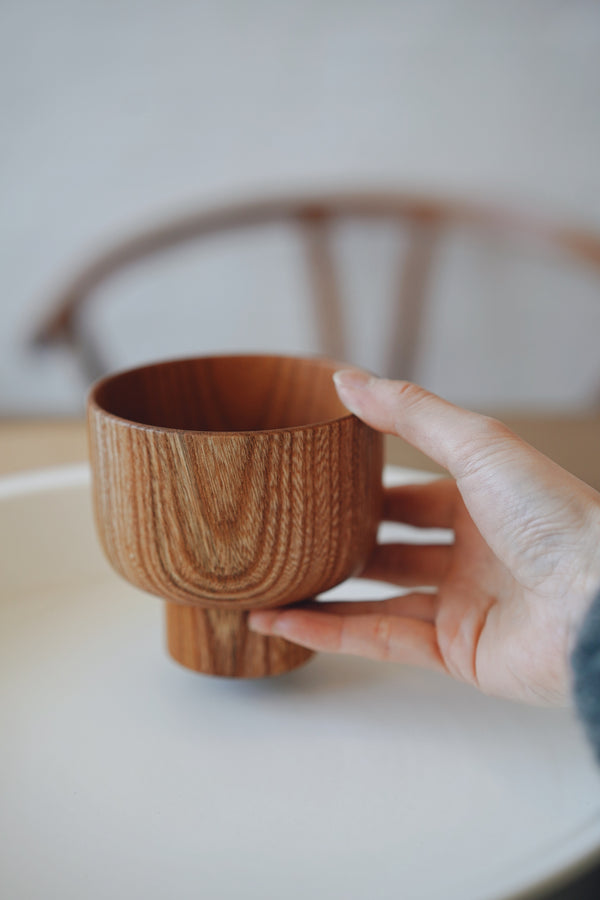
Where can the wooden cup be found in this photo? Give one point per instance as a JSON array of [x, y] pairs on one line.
[[223, 484]]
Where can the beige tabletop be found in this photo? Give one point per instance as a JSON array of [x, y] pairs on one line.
[[573, 441]]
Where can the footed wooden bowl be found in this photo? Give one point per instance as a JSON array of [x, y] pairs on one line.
[[223, 484]]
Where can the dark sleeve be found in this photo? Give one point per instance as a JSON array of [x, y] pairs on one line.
[[585, 661]]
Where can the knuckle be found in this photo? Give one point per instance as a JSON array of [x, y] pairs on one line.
[[494, 429], [411, 394], [410, 400]]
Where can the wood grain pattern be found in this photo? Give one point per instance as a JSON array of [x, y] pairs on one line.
[[217, 642], [232, 483]]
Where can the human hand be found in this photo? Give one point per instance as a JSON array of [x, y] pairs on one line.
[[513, 588]]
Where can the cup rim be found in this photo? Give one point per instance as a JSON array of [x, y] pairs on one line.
[[93, 404]]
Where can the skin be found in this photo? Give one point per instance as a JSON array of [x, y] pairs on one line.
[[504, 602]]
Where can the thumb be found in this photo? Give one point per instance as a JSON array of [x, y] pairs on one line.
[[455, 438], [527, 508], [498, 474]]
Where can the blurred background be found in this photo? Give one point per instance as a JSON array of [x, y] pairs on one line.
[[120, 116], [460, 138]]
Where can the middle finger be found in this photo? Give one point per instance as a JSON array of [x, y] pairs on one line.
[[429, 505], [409, 565]]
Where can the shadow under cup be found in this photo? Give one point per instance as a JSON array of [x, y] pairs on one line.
[[224, 484]]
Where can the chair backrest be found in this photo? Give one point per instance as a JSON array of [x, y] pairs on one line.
[[424, 219]]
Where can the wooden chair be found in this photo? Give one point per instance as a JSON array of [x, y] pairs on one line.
[[426, 220]]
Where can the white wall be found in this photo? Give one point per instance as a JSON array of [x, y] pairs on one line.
[[115, 112]]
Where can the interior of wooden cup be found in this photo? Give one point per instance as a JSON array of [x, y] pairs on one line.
[[224, 393]]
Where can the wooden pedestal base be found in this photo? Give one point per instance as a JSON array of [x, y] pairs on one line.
[[218, 642]]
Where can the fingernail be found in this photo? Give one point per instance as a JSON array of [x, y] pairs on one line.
[[351, 379], [351, 384]]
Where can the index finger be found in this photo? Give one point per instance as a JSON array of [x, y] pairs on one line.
[[455, 438]]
